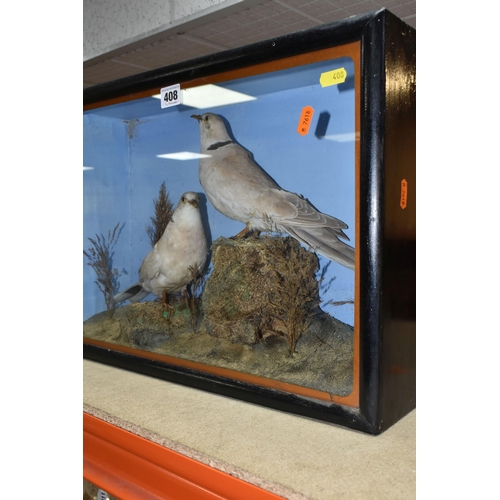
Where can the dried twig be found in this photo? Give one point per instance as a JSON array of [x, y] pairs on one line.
[[339, 302], [163, 213], [100, 259], [296, 291], [194, 295]]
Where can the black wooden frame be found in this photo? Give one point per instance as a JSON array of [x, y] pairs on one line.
[[387, 244]]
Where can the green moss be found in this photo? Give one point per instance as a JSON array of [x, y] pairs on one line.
[[260, 287]]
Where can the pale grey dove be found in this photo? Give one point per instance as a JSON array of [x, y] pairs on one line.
[[241, 190], [181, 250]]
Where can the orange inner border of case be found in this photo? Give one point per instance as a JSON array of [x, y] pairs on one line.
[[352, 50]]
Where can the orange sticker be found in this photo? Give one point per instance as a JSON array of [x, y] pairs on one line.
[[404, 192], [305, 120]]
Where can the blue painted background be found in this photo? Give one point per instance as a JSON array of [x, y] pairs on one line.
[[121, 143]]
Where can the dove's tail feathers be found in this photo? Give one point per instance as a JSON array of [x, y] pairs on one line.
[[135, 293], [139, 296], [324, 241]]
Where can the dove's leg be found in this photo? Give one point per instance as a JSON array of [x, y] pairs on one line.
[[242, 233], [166, 306], [246, 231], [192, 306], [186, 298]]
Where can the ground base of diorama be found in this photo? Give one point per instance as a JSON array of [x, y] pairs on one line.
[[323, 357]]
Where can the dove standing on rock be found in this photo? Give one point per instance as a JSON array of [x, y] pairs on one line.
[[176, 259], [241, 190]]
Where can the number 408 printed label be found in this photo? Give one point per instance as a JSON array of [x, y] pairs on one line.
[[170, 96]]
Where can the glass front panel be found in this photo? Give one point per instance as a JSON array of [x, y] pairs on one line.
[[275, 306]]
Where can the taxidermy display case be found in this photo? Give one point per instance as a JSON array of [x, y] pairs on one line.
[[249, 222]]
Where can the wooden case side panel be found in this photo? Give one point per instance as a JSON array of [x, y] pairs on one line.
[[398, 343]]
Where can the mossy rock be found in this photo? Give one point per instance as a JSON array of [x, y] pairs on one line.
[[260, 287]]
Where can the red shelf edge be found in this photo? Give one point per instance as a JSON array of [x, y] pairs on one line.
[[130, 467]]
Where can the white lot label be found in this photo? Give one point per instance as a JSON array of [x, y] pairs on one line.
[[170, 96]]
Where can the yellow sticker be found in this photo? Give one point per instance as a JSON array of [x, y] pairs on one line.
[[333, 77]]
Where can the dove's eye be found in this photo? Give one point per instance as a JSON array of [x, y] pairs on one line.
[[183, 198], [206, 118]]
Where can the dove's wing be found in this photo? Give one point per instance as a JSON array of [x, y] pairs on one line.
[[319, 231], [324, 241], [307, 215], [243, 186], [294, 215], [290, 213], [235, 185], [142, 288], [150, 266]]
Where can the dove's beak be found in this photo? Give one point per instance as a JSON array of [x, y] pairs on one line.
[[198, 117]]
